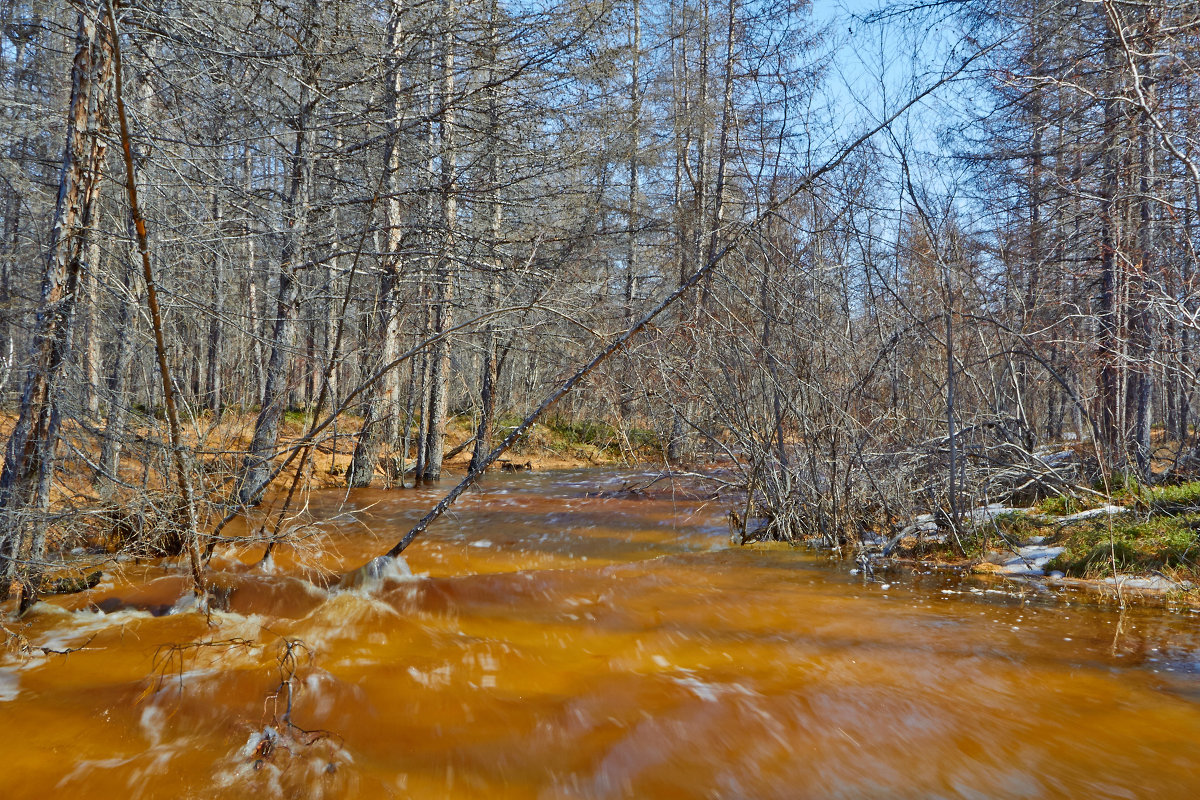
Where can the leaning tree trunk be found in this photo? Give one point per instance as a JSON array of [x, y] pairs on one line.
[[117, 418], [32, 447]]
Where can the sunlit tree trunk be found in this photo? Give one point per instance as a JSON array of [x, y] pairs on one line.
[[380, 416], [439, 373], [487, 378], [32, 447]]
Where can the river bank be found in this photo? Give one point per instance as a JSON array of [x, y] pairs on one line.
[[1141, 549], [1136, 545]]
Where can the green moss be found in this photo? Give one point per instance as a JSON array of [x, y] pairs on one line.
[[575, 432], [601, 435], [1181, 494], [295, 416], [1060, 506], [1157, 543], [1018, 526]]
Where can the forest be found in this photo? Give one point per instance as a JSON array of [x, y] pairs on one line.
[[872, 260]]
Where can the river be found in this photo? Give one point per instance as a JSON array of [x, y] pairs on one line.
[[549, 644]]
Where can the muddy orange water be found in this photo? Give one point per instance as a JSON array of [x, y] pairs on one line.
[[552, 645]]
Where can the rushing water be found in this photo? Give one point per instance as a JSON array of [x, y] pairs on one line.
[[554, 645]]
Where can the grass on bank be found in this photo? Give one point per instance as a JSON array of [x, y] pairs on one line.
[[1132, 544], [1161, 534], [586, 439]]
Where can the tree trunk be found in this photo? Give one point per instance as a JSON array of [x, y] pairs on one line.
[[380, 417], [257, 464], [33, 444], [1110, 386], [118, 379], [1143, 325], [217, 321], [632, 216], [487, 388], [439, 374]]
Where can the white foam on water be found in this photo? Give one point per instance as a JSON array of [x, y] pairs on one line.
[[10, 685], [152, 722], [344, 615], [76, 627], [375, 574], [431, 679], [277, 763]]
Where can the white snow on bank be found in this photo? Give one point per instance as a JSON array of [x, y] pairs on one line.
[[926, 523], [1156, 583], [1102, 511], [989, 513], [1031, 560]]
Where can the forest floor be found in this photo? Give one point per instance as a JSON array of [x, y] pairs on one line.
[[556, 444], [219, 445]]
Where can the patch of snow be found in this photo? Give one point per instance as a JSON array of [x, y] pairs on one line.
[[988, 513], [1054, 459], [1156, 583], [1031, 560], [1102, 511]]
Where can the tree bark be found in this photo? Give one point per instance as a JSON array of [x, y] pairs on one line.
[[487, 387], [439, 373], [33, 445], [380, 418], [256, 466]]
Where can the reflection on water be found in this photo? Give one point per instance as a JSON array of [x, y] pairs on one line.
[[553, 645]]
